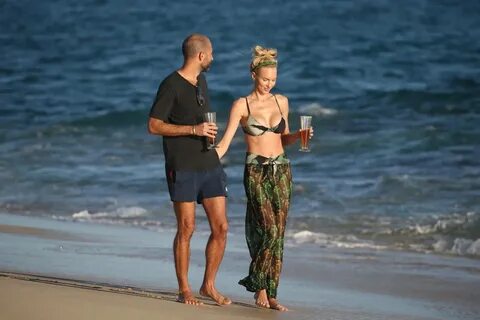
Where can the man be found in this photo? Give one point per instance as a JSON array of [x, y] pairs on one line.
[[193, 172]]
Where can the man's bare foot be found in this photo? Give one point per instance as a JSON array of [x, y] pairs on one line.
[[188, 298], [215, 295], [261, 299], [275, 305]]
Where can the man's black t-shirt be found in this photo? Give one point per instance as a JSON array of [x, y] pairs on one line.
[[176, 103]]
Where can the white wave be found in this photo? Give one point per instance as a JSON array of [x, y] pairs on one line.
[[459, 246], [85, 215], [119, 213], [445, 223], [306, 236], [81, 215], [316, 109], [324, 240], [422, 229], [474, 248], [366, 245], [441, 245], [466, 246], [131, 212]]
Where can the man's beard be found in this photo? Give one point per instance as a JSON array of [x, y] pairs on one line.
[[207, 67]]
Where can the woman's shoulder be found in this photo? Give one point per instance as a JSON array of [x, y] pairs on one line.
[[282, 102], [240, 101], [281, 98], [239, 105]]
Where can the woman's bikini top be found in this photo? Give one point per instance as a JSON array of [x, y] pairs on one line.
[[254, 128]]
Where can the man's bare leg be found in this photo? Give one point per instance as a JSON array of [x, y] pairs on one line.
[[215, 209], [185, 213]]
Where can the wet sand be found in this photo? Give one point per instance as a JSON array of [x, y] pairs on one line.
[[34, 297], [57, 269]]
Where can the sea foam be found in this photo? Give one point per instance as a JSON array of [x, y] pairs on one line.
[[316, 109], [119, 213]]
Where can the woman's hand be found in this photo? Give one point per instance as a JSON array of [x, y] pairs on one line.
[[299, 133], [310, 135]]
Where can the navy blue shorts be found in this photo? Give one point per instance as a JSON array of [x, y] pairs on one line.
[[189, 186]]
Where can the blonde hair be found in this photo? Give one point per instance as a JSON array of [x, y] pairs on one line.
[[263, 57]]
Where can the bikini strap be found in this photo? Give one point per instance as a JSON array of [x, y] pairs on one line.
[[248, 107], [278, 105]]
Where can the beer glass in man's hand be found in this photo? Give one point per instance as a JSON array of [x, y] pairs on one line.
[[210, 117]]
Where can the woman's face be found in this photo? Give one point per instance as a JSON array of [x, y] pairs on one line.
[[265, 78]]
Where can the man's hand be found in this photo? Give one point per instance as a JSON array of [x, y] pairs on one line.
[[206, 129]]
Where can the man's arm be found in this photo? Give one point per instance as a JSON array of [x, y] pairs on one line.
[[159, 127]]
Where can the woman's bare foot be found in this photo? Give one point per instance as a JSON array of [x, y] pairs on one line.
[[215, 295], [275, 305], [261, 299], [188, 298]]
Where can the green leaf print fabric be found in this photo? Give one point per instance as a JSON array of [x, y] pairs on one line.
[[268, 188]]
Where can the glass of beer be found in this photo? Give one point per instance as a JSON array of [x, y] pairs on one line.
[[210, 117], [305, 125]]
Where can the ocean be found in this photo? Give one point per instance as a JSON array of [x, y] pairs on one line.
[[393, 88]]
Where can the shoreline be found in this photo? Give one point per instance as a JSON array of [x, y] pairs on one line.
[[137, 265]]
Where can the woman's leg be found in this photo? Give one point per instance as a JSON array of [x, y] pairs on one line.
[[281, 203], [268, 192], [257, 220]]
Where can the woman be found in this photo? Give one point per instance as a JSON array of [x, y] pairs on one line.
[[267, 177]]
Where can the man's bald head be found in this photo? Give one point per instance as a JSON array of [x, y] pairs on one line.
[[194, 44]]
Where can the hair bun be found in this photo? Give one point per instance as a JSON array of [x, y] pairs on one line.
[[263, 57], [264, 53]]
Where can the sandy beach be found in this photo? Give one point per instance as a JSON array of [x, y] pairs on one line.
[[58, 269], [34, 297]]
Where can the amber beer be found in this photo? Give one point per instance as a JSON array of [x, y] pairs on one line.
[[304, 138], [305, 125]]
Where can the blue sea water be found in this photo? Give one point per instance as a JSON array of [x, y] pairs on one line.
[[393, 88]]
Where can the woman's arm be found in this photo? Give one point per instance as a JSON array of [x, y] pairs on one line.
[[236, 113], [289, 138]]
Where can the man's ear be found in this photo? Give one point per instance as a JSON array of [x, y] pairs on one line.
[[201, 55]]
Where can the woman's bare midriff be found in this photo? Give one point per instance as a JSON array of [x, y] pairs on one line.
[[267, 145]]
